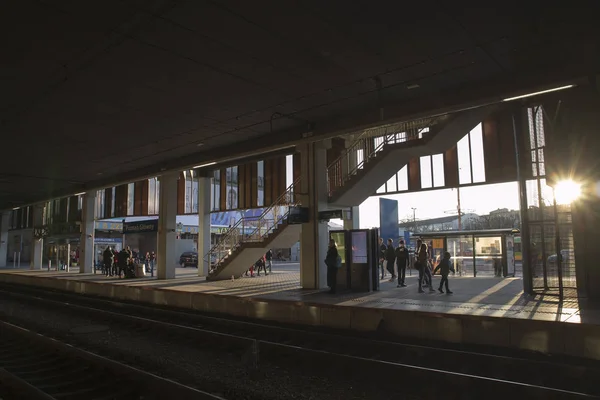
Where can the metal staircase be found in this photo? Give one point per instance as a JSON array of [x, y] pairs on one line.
[[250, 238], [381, 152]]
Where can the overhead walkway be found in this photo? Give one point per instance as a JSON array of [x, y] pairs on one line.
[[375, 157]]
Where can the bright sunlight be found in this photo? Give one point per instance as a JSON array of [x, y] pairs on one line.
[[567, 191]]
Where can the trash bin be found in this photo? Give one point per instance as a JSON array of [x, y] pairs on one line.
[[140, 271]]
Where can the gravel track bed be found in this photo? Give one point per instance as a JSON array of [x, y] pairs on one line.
[[213, 371]]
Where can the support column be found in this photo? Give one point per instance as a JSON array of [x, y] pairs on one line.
[[167, 226], [4, 219], [88, 229], [37, 245], [354, 222], [204, 187], [520, 147], [314, 236]]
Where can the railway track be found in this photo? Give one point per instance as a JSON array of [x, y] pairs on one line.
[[33, 366], [461, 371]]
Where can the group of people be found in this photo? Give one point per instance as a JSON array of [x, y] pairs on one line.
[[391, 257], [122, 263], [400, 257], [264, 263]]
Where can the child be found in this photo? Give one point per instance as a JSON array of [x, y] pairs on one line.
[[445, 267]]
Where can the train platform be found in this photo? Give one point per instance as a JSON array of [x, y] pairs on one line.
[[481, 311]]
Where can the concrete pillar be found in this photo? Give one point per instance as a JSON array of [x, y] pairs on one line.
[[167, 226], [204, 186], [314, 236], [86, 251], [37, 245], [4, 220], [354, 222]]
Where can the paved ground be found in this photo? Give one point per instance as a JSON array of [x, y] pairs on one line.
[[473, 296]]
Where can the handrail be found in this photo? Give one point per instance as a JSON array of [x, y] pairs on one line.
[[342, 168], [232, 238]]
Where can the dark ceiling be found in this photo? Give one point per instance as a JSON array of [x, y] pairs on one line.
[[97, 92]]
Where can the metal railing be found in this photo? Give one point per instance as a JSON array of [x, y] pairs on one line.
[[363, 150], [253, 229]]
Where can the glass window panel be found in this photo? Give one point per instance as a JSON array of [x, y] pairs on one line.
[[438, 170], [260, 167], [113, 201], [403, 178], [426, 181], [217, 191], [392, 184], [464, 160], [157, 196], [130, 194], [488, 256], [381, 189], [477, 156], [195, 196], [289, 170], [360, 158], [188, 193]]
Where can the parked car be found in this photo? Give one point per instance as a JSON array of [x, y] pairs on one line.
[[188, 259], [566, 257]]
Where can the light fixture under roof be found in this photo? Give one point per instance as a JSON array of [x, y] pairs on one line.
[[413, 86], [79, 194], [556, 89], [199, 144], [205, 165], [16, 208]]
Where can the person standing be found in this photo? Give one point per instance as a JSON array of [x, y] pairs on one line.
[[402, 260], [107, 261], [152, 262], [445, 267], [390, 257], [332, 261], [421, 264], [382, 249], [269, 259]]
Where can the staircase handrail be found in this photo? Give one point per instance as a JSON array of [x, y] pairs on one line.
[[240, 223], [360, 144]]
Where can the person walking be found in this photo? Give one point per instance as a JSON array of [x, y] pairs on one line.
[[332, 260], [402, 261], [445, 266]]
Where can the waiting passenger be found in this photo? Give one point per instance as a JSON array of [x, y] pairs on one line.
[[107, 262], [445, 266], [333, 262]]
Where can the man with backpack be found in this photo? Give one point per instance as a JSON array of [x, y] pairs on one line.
[[402, 260]]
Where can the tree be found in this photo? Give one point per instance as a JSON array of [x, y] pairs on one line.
[[495, 220]]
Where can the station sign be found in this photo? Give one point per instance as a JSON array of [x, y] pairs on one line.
[[140, 226]]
